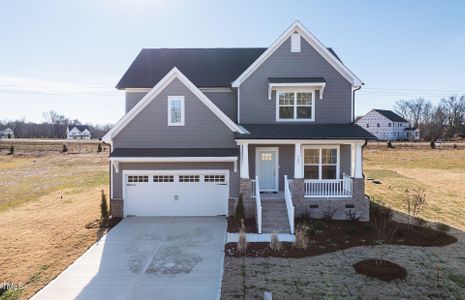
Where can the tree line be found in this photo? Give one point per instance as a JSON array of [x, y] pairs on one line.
[[446, 120], [54, 126]]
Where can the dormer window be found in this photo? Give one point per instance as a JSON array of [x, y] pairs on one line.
[[176, 111], [295, 105]]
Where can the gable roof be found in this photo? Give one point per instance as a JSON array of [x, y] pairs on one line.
[[390, 115], [326, 53], [157, 89], [205, 67], [79, 127]]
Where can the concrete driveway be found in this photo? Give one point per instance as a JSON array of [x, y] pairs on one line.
[[148, 258]]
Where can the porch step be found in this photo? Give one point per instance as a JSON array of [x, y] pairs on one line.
[[274, 216]]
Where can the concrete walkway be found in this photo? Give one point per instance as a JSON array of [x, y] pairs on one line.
[[148, 258]]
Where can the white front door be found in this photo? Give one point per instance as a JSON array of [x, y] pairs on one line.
[[266, 168]]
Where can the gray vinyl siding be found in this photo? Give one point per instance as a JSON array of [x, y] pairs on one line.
[[233, 176], [335, 107], [149, 129], [285, 161], [226, 101], [132, 98]]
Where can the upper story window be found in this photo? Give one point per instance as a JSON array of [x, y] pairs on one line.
[[295, 105], [377, 125], [368, 125], [389, 124], [175, 110]]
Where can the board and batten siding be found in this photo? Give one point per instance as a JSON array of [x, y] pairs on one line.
[[118, 179], [335, 107], [149, 128]]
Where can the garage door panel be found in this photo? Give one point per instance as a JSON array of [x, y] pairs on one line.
[[180, 193]]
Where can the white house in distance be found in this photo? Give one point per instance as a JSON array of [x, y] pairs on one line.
[[78, 132], [7, 134], [386, 125]]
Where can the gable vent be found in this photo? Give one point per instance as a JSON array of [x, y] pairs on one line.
[[295, 42]]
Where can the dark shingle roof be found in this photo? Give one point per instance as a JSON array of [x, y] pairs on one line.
[[210, 67], [174, 152], [80, 127], [205, 67], [391, 115], [295, 79], [301, 131]]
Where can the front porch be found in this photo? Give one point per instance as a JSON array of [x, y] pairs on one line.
[[321, 178]]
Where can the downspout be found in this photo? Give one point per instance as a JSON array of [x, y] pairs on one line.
[[353, 101]]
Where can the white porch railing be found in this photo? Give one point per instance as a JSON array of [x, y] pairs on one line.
[[328, 187], [289, 205]]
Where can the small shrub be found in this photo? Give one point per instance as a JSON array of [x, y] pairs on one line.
[[319, 225], [442, 227], [242, 242], [367, 227], [454, 146], [99, 148], [351, 230], [432, 144], [239, 214], [65, 148], [301, 237], [275, 244], [328, 214], [12, 150], [416, 201], [389, 144], [104, 214]]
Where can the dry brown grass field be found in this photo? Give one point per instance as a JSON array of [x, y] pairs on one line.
[[47, 199], [440, 171]]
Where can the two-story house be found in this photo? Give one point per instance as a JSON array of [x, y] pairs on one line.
[[78, 132], [204, 126], [386, 125]]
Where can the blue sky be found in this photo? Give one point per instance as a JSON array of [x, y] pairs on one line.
[[68, 55]]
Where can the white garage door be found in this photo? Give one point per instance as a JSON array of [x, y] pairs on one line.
[[176, 193]]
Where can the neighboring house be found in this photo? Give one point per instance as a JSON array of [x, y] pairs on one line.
[[204, 126], [78, 132], [8, 133], [386, 125]]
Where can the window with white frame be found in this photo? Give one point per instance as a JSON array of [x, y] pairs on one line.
[[176, 111], [321, 163], [295, 105]]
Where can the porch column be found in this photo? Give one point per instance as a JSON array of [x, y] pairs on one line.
[[298, 170], [244, 161], [358, 161]]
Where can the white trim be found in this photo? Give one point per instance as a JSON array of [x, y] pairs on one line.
[[238, 105], [257, 165], [111, 180], [310, 86], [320, 163], [291, 142], [295, 91], [298, 161], [313, 41], [171, 99], [175, 159], [244, 156], [175, 172], [157, 89]]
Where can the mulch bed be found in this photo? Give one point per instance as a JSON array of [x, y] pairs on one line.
[[330, 236], [380, 269], [249, 223]]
